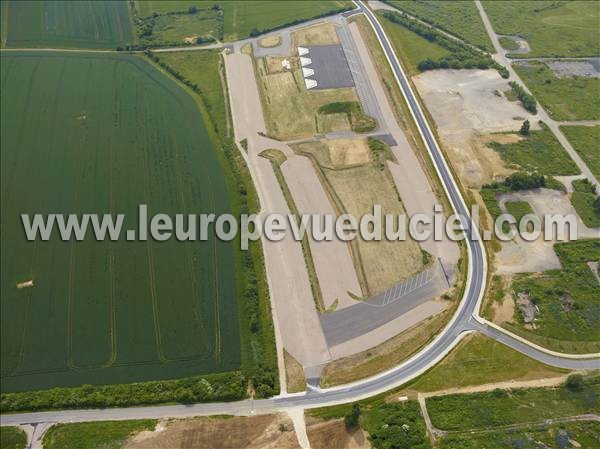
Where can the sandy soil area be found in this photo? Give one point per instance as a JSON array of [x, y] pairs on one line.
[[333, 434], [465, 105], [520, 256], [255, 432]]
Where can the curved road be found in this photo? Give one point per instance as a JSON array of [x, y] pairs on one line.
[[465, 320]]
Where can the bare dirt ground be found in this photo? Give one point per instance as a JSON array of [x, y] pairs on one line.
[[332, 434], [567, 69], [344, 152], [504, 312], [321, 34], [255, 432], [465, 105], [521, 256], [270, 41]]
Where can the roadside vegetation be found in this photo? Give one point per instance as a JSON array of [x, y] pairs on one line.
[[479, 360], [572, 98], [538, 152], [462, 412], [94, 435], [567, 301], [460, 19], [586, 202], [552, 28], [237, 20], [508, 43], [527, 100], [585, 141], [459, 55], [12, 438]]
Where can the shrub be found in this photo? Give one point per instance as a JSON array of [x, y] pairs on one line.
[[526, 99], [351, 419]]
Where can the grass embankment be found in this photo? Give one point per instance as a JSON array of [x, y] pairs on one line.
[[359, 121], [172, 21], [462, 412], [568, 300], [479, 360], [586, 202], [539, 152], [566, 29], [12, 438], [460, 19], [573, 98], [458, 55], [585, 141], [294, 374], [94, 435], [574, 434]]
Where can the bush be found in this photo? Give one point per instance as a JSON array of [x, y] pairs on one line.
[[574, 382], [351, 419], [526, 99]]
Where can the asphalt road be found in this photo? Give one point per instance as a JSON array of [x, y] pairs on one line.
[[465, 319]]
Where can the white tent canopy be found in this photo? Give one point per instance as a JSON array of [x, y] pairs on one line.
[[310, 83], [302, 51]]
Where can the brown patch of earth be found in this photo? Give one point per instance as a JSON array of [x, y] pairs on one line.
[[255, 432], [270, 41], [504, 312], [321, 34], [333, 434], [348, 151]]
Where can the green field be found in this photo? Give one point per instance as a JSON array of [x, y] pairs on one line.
[[94, 435], [480, 360], [243, 18], [552, 28], [539, 152], [461, 19], [409, 46], [508, 43], [12, 438], [68, 24], [568, 299], [499, 407], [564, 98], [584, 434], [585, 141], [518, 209], [102, 134], [584, 204]]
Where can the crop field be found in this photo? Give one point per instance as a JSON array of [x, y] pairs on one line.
[[68, 24], [563, 98], [540, 22], [585, 141], [102, 134], [243, 18], [461, 19]]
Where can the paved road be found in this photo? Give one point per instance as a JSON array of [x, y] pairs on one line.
[[464, 320]]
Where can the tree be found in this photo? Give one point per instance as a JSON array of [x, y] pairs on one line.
[[525, 128], [192, 10], [351, 419], [574, 382]]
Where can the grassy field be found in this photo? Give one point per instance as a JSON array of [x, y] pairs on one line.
[[538, 152], [68, 24], [195, 27], [109, 312], [285, 91], [12, 438], [518, 209], [583, 202], [410, 47], [480, 360], [574, 434], [508, 43], [585, 141], [500, 407], [94, 435], [461, 19], [552, 292], [382, 263], [563, 98], [242, 18], [552, 28]]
